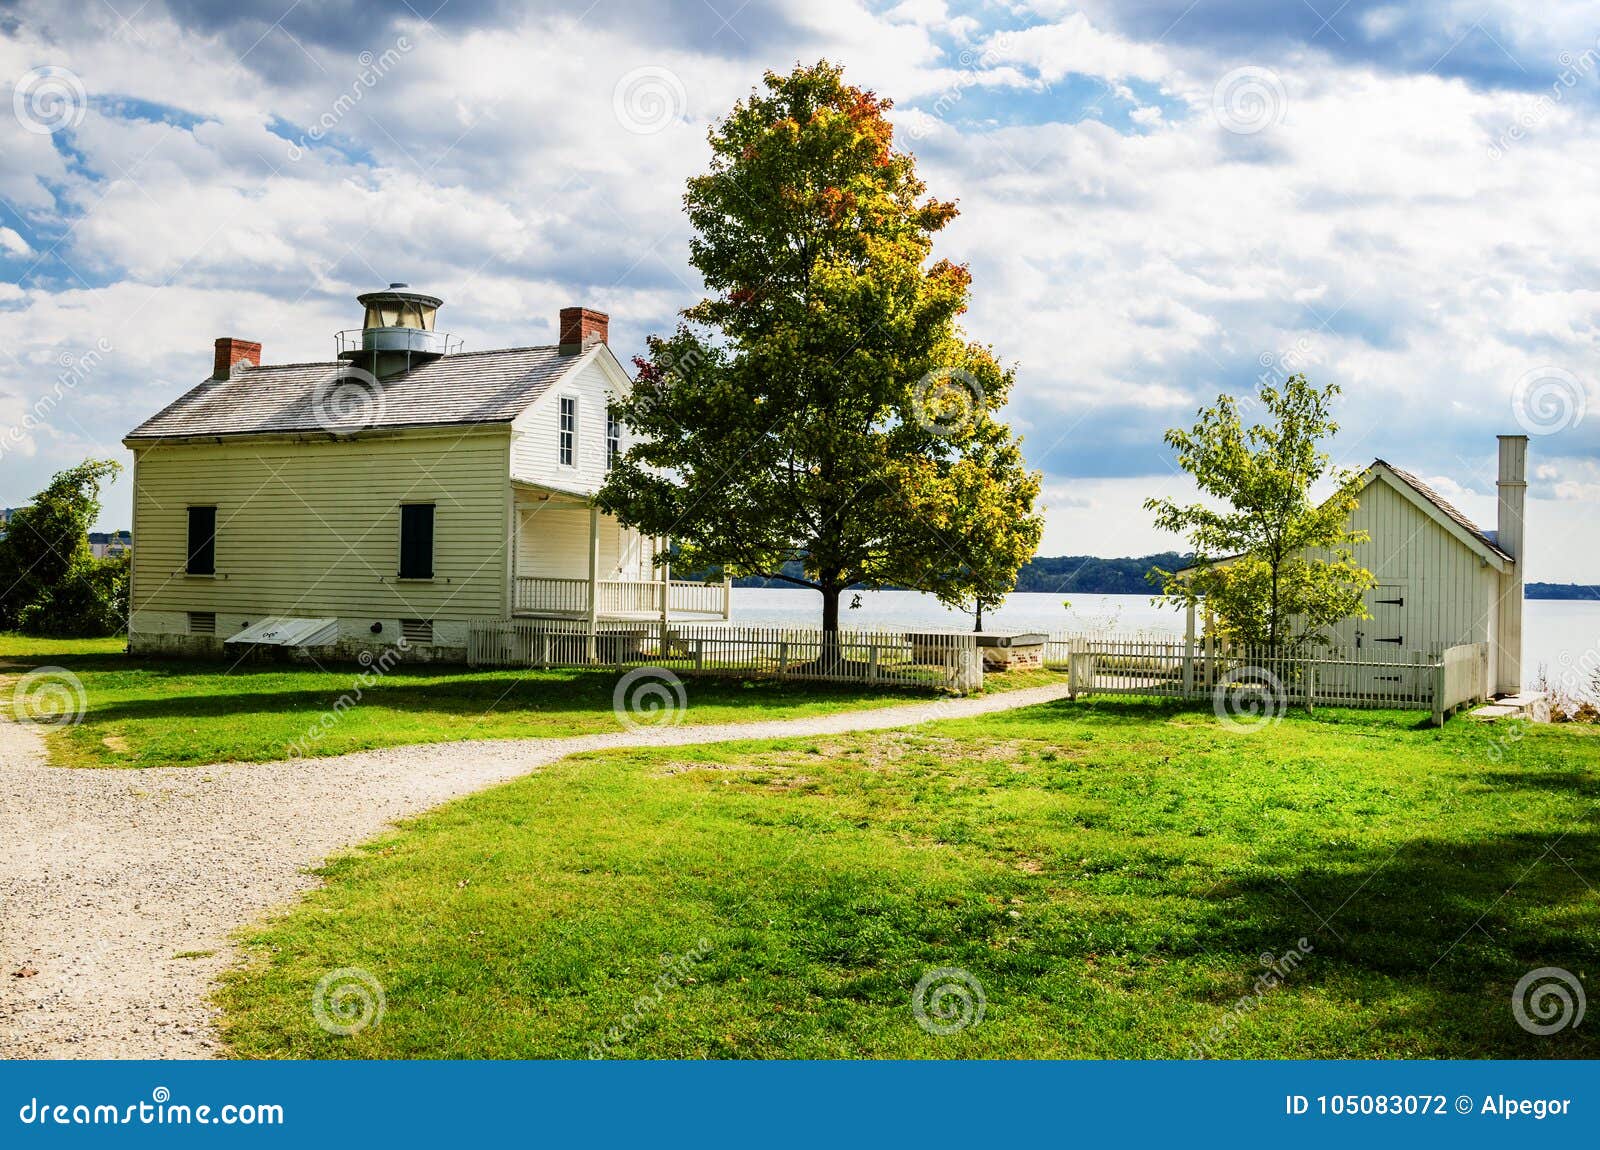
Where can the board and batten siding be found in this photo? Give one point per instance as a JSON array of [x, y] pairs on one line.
[[311, 528], [1449, 592]]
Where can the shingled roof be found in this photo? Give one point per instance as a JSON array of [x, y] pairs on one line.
[[1443, 505], [1448, 508], [464, 388]]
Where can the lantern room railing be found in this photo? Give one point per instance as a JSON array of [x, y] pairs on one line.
[[397, 339]]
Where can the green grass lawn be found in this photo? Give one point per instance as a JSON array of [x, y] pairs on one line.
[[1109, 873], [156, 713]]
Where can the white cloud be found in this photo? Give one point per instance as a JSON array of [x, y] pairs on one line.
[[1370, 236], [1074, 45]]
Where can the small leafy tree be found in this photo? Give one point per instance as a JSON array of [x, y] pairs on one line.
[[984, 515], [821, 403], [50, 582], [1273, 566]]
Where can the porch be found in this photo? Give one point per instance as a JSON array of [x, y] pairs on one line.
[[620, 599], [569, 560]]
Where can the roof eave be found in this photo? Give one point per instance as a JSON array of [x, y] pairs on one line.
[[308, 435]]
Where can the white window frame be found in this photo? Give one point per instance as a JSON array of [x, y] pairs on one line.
[[561, 431], [613, 420]]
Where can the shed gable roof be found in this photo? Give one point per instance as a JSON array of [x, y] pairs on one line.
[[1476, 538], [464, 388], [1436, 506]]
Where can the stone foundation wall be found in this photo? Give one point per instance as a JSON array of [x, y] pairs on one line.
[[166, 634]]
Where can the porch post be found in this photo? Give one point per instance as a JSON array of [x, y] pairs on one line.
[[516, 545], [1188, 651], [594, 579], [664, 547]]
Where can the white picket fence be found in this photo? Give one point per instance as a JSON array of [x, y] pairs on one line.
[[1158, 666], [947, 661], [1164, 667]]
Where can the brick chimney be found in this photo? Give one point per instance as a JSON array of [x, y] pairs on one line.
[[231, 353], [582, 328]]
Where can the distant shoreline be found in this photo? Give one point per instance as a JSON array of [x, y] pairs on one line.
[[1561, 591], [1091, 575]]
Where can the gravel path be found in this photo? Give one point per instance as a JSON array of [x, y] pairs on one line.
[[107, 875]]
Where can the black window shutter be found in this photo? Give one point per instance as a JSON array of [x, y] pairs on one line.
[[202, 541], [416, 541]]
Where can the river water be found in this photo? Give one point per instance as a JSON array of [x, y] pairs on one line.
[[1562, 635]]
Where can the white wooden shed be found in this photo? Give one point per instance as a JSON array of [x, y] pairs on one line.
[[1441, 580]]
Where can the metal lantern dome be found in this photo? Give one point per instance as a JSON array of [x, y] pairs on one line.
[[397, 331]]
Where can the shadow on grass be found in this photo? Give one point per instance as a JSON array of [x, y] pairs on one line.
[[1441, 928], [554, 692], [1136, 710]]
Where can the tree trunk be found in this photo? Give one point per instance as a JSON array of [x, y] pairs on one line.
[[977, 617], [1272, 621], [832, 656]]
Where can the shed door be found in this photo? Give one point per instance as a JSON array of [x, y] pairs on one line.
[[1386, 630]]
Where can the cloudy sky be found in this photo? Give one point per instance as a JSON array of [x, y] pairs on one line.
[[1161, 200]]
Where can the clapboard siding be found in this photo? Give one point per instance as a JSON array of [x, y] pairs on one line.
[[554, 543], [535, 456], [312, 528]]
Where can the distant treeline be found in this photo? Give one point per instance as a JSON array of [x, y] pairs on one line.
[[1064, 574], [1088, 575], [1561, 591]]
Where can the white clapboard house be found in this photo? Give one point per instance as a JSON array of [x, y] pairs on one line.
[[397, 491]]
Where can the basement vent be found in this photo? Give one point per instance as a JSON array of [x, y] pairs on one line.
[[202, 622], [416, 630]]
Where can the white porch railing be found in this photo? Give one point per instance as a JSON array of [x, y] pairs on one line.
[[619, 598], [539, 596]]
